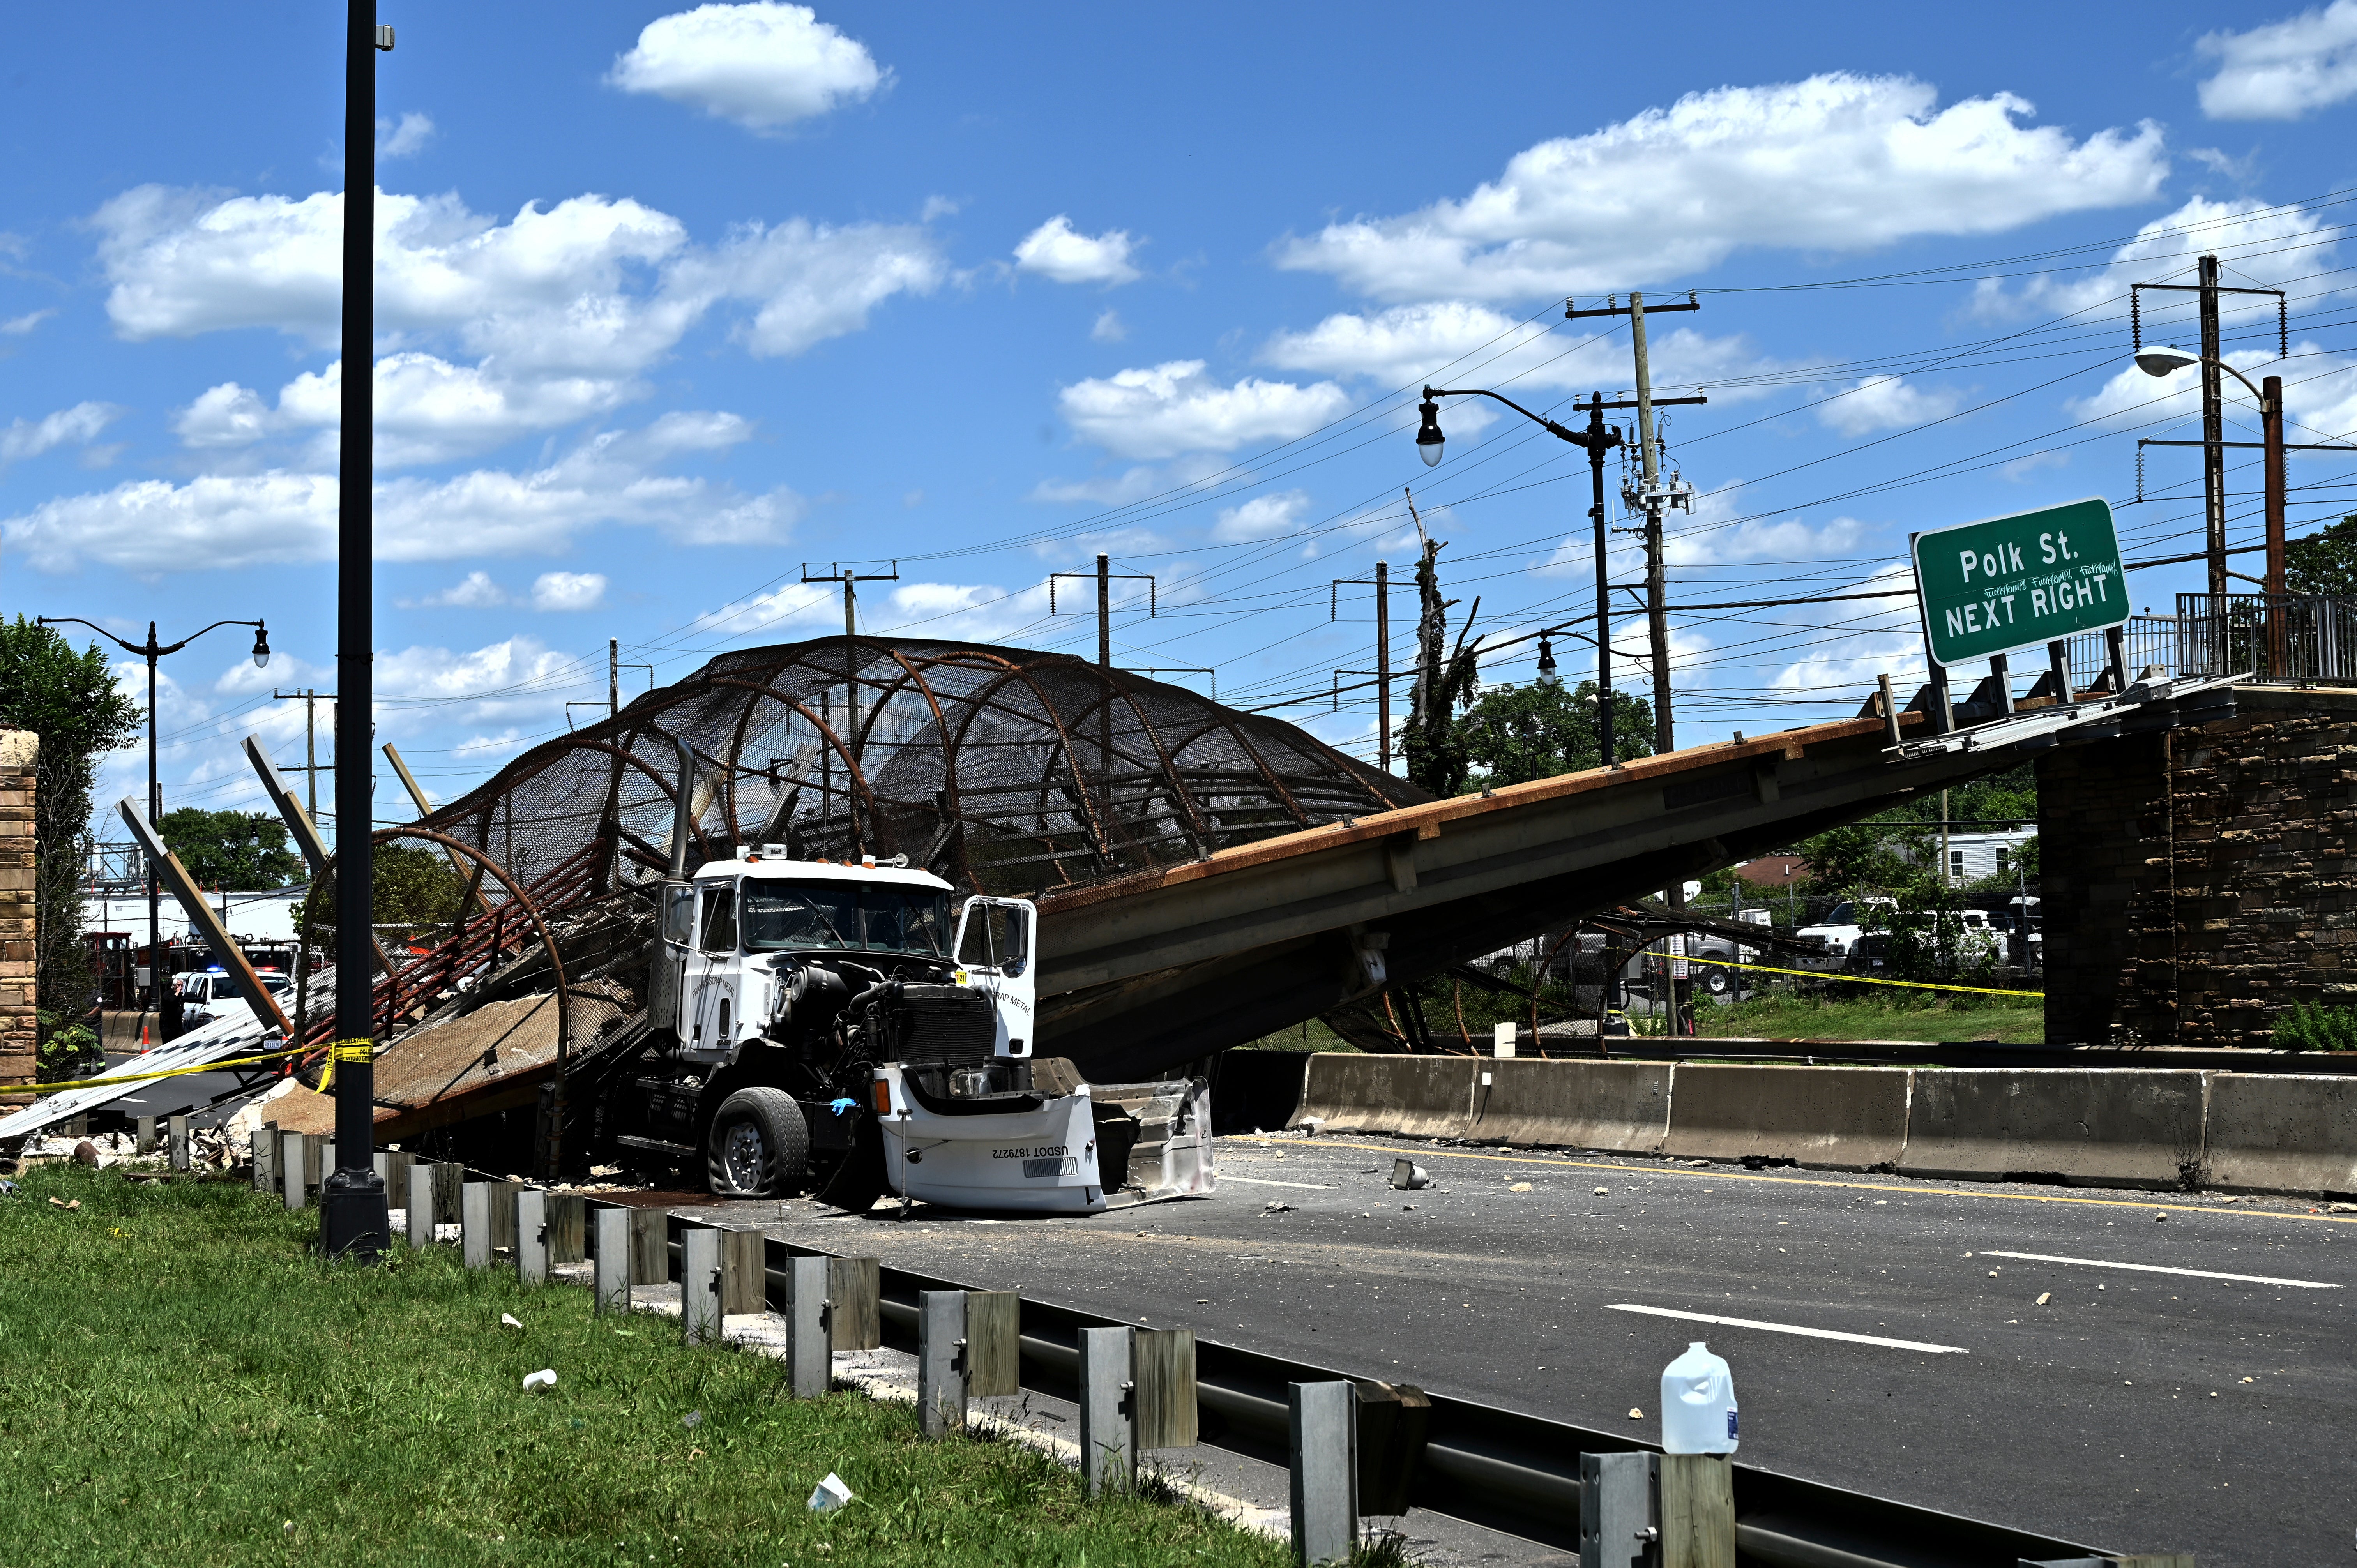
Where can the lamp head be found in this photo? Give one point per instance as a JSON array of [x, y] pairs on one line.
[[260, 646], [1428, 438], [1547, 661], [2159, 360]]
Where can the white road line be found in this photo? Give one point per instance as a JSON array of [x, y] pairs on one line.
[[2161, 1269], [1793, 1328], [1255, 1181]]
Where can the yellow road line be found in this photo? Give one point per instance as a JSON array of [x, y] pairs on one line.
[[1859, 978], [1666, 1170]]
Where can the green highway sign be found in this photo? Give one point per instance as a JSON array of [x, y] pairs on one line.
[[2015, 582]]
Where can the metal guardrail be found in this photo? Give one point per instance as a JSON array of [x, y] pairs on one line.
[[2275, 636], [1498, 1469]]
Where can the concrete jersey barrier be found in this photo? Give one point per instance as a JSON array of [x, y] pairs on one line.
[[2275, 1132], [2095, 1127], [1827, 1118], [1417, 1097], [1621, 1106]]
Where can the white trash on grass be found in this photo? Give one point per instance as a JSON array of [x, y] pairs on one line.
[[830, 1494], [511, 1320], [544, 1379]]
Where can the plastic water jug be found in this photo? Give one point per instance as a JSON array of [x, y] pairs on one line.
[[1698, 1403]]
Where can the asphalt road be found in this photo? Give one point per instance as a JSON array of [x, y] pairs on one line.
[[2135, 1410]]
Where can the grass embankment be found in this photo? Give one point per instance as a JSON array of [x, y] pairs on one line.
[[181, 1380], [1784, 1016]]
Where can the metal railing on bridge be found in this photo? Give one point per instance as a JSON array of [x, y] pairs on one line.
[[2293, 638]]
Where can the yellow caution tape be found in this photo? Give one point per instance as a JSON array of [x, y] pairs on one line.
[[1859, 978], [160, 1072], [353, 1051]]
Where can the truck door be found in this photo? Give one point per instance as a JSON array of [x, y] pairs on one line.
[[673, 947], [996, 941], [714, 973]]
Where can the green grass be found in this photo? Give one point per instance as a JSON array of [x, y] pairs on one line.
[[2015, 1020], [182, 1380]]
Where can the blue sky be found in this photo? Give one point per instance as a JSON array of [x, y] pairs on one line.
[[673, 301]]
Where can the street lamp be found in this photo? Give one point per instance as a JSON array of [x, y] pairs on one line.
[[2159, 360], [1598, 439], [167, 1023]]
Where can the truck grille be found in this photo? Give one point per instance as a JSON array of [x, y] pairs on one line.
[[939, 1026]]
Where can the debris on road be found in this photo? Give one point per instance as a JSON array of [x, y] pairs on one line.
[[1603, 1191], [1409, 1177], [1635, 1413], [2044, 1296], [2161, 1217], [1273, 1207], [1519, 1187]]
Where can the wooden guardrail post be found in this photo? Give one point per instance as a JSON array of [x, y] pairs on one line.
[[855, 1303], [1697, 1511], [1162, 1366], [1325, 1470], [176, 1139], [1108, 1432], [744, 1279], [568, 1228], [475, 1224], [994, 1344], [1393, 1420], [532, 1237], [650, 1247], [699, 1285], [810, 1366], [613, 1283], [941, 1361]]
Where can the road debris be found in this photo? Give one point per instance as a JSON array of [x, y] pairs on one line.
[[2044, 1296], [1519, 1187], [1635, 1413], [1409, 1177], [1603, 1191]]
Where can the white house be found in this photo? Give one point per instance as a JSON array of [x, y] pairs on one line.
[[1974, 855]]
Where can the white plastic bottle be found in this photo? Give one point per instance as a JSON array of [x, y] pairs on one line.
[[1698, 1403]]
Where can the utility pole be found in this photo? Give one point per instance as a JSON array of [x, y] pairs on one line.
[[1106, 577], [312, 768], [2213, 440], [1382, 584], [850, 580]]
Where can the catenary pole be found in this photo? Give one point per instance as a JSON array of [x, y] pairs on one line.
[[353, 1219]]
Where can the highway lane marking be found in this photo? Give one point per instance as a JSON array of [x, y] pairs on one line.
[[1304, 1186], [1637, 1170], [1792, 1328], [2161, 1269]]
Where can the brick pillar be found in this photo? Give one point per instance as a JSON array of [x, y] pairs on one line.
[[19, 1038]]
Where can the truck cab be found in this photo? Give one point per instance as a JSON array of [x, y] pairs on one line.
[[817, 1022]]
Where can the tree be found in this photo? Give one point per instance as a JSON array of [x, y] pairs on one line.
[[413, 887], [1515, 733], [243, 850], [69, 700], [2323, 563]]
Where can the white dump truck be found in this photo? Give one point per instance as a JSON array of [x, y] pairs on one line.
[[823, 1024]]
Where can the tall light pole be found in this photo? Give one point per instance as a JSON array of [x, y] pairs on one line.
[[151, 650], [1597, 439], [353, 1222]]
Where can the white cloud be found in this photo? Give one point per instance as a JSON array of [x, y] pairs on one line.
[[518, 661], [1408, 344], [1055, 250], [591, 286], [763, 65], [1174, 407], [277, 516], [569, 591], [78, 426], [399, 140], [2283, 70], [2321, 399], [980, 611], [1263, 517], [1108, 328], [475, 591], [1886, 403], [17, 325], [2266, 243], [1838, 162]]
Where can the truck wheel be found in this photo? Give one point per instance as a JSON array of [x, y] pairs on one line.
[[1715, 981], [759, 1146]]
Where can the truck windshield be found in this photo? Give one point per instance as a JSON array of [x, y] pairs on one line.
[[1845, 913], [837, 915]]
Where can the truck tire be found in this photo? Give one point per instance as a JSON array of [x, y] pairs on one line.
[[758, 1145], [1715, 981]]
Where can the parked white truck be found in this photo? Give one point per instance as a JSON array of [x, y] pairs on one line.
[[819, 1024]]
